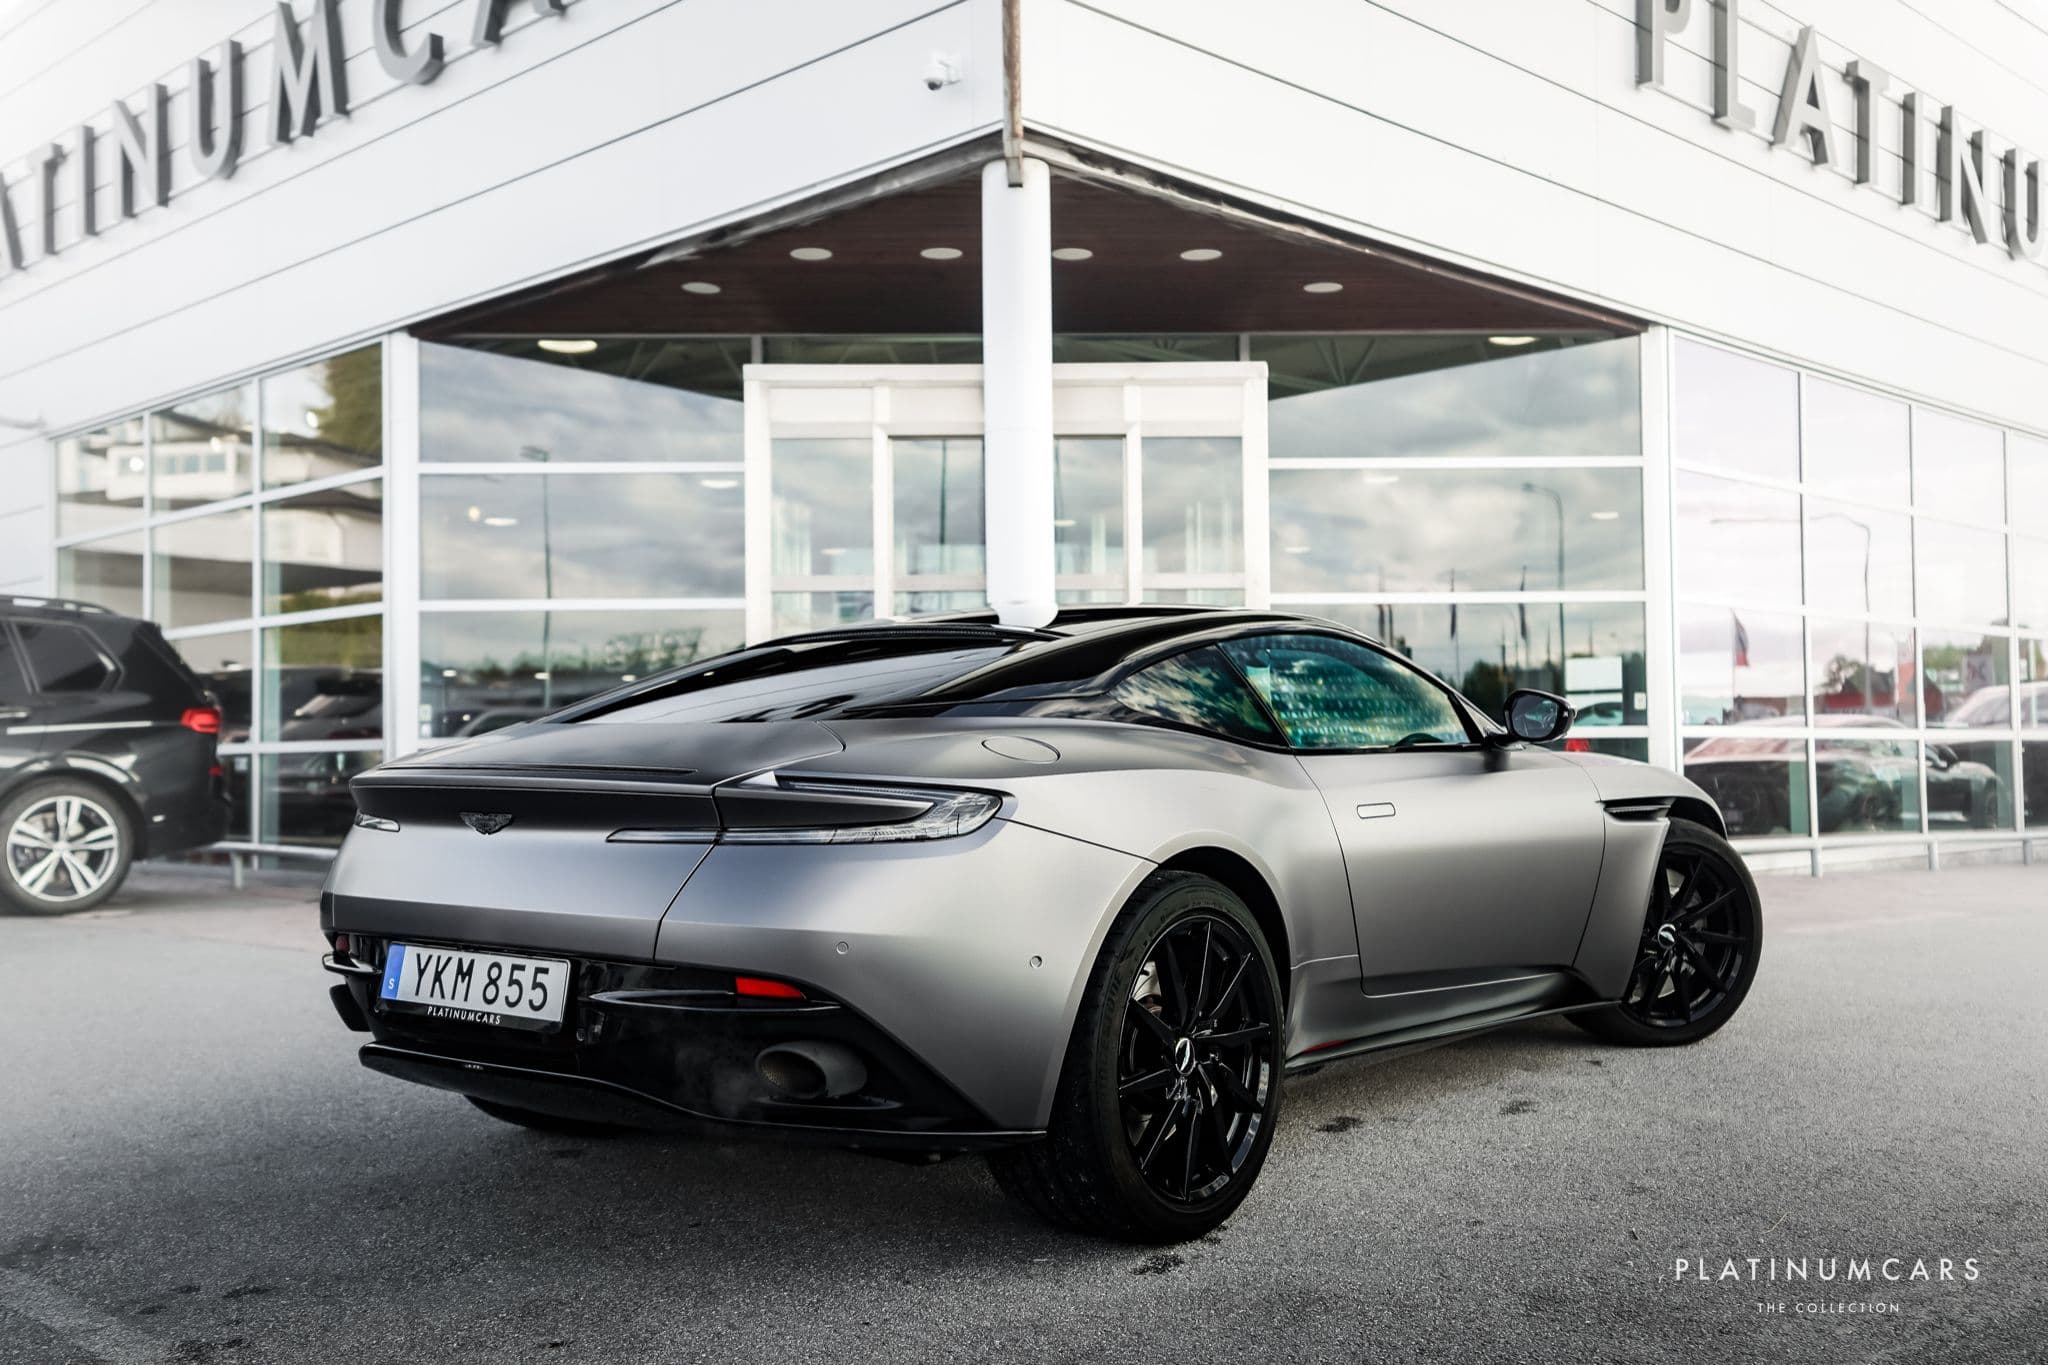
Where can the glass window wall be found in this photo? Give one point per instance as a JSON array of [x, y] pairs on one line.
[[483, 671], [1880, 672], [252, 531]]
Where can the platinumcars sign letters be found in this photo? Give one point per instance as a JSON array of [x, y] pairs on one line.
[[1966, 168], [308, 85]]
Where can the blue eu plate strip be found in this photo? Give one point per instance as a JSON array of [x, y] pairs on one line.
[[394, 965]]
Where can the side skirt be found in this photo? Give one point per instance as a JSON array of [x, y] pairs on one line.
[[1385, 1047]]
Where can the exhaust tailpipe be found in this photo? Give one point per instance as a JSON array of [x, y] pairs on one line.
[[810, 1070]]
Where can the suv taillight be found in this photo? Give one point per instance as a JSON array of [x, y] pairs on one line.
[[204, 720]]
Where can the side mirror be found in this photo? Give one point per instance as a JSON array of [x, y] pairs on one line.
[[1537, 717]]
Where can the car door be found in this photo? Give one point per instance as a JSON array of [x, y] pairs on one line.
[[1467, 862], [19, 740]]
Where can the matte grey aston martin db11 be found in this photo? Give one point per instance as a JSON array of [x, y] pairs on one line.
[[1077, 896]]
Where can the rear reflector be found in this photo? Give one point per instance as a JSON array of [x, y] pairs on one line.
[[1578, 746], [762, 988], [204, 720]]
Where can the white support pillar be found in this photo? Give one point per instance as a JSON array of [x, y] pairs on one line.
[[1016, 386]]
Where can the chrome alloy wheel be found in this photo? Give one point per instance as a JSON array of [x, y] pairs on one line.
[[1195, 1077], [63, 848]]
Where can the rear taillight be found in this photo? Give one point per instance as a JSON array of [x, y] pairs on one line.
[[203, 720]]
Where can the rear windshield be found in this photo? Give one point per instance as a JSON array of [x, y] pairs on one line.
[[805, 681]]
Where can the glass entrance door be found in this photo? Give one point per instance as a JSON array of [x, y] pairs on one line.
[[864, 489]]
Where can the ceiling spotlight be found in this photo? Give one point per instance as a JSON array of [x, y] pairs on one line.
[[941, 253], [475, 513], [810, 253], [700, 287], [1200, 253], [312, 419], [500, 523], [581, 347], [1606, 516], [1071, 253], [719, 484], [1510, 341], [448, 673], [1322, 287]]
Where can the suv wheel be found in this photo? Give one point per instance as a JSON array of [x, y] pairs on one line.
[[64, 846]]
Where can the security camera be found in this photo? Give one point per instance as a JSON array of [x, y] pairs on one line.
[[940, 72]]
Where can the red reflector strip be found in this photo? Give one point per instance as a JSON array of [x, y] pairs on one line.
[[203, 720], [762, 988]]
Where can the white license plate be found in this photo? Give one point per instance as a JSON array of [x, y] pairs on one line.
[[476, 988]]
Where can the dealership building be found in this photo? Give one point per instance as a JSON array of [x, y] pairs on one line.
[[421, 367]]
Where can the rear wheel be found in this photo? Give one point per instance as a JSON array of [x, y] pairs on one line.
[[545, 1123], [1171, 1083], [64, 846], [1701, 940]]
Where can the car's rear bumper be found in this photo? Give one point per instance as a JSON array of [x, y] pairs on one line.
[[596, 1100], [968, 954], [669, 1047]]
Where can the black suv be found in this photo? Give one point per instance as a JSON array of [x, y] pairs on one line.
[[107, 753]]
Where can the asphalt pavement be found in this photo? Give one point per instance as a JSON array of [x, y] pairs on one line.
[[194, 1168]]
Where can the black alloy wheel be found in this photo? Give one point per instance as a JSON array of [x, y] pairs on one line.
[[1194, 1075], [1699, 948], [1170, 1089]]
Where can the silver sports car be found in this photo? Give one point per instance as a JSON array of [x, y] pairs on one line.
[[1078, 897]]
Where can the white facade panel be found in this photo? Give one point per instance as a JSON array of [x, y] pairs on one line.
[[1511, 135], [621, 124]]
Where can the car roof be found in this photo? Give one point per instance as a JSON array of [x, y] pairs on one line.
[[60, 607], [1077, 650]]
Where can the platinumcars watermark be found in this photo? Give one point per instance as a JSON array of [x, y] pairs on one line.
[[1826, 1269]]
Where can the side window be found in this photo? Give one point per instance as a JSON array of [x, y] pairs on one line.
[[1333, 694], [1200, 690], [13, 681], [63, 658]]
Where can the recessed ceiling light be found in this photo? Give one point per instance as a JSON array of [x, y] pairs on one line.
[[541, 676], [941, 253], [1322, 287], [1606, 516], [475, 513], [1071, 253], [701, 287], [1200, 253], [312, 419], [501, 522], [1382, 478], [582, 347], [1511, 341], [448, 673], [1296, 549], [719, 484], [811, 253]]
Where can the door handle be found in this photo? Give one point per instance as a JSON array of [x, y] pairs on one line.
[[1376, 810]]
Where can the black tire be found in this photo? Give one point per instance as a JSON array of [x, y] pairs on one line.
[[65, 846], [1689, 981], [1188, 1072], [545, 1123]]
